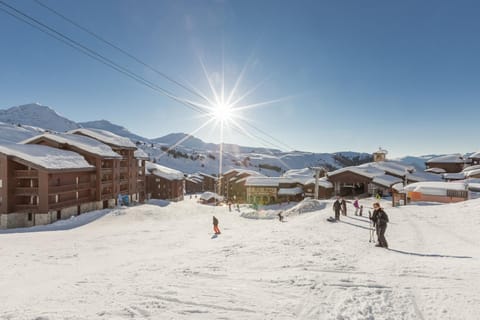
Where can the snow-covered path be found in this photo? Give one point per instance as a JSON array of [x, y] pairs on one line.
[[152, 262]]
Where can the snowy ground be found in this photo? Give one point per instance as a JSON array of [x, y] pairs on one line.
[[158, 261]]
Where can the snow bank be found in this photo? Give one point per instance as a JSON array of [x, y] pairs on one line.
[[307, 205], [272, 211]]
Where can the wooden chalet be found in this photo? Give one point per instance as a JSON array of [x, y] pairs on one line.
[[452, 163], [474, 159], [325, 188], [41, 184]]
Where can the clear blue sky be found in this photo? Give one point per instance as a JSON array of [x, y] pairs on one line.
[[404, 75]]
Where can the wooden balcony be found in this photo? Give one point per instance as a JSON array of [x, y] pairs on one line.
[[69, 203], [23, 208], [26, 191], [106, 171], [69, 188], [22, 174]]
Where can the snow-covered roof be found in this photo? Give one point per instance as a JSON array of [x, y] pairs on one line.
[[454, 176], [243, 171], [46, 157], [471, 168], [386, 180], [262, 181], [435, 187], [322, 182], [81, 142], [475, 155], [163, 172], [290, 191], [206, 175], [366, 171], [423, 176], [398, 187], [107, 137], [140, 154], [471, 173], [449, 158], [436, 170]]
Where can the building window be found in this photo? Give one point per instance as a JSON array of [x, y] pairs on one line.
[[30, 216], [1, 183]]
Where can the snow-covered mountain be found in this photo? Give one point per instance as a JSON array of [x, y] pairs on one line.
[[13, 133], [108, 126], [38, 116], [191, 154]]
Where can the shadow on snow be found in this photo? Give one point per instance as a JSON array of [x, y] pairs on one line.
[[432, 255]]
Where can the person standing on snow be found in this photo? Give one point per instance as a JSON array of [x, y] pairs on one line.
[[380, 220], [344, 206], [337, 206], [215, 225], [356, 205]]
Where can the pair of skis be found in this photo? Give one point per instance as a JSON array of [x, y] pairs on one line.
[[372, 229]]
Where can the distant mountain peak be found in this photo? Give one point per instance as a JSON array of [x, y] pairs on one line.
[[37, 115]]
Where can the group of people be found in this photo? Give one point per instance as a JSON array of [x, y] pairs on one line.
[[379, 217]]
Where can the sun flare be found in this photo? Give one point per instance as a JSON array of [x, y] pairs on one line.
[[222, 112]]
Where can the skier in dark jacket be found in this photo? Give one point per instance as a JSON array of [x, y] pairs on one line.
[[380, 220], [337, 206], [215, 225], [344, 206]]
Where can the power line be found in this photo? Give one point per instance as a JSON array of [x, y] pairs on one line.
[[126, 53], [113, 65], [92, 54]]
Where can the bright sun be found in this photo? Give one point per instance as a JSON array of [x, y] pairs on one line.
[[223, 112]]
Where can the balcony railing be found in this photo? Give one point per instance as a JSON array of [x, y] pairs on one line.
[[70, 188], [26, 191], [26, 174], [69, 203], [21, 208]]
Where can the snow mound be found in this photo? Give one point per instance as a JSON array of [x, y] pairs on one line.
[[307, 205], [292, 209]]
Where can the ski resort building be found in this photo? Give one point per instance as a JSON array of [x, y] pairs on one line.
[[40, 184], [325, 188], [445, 192], [120, 176], [97, 154], [200, 182], [474, 159], [232, 184], [452, 163], [375, 178], [164, 183], [262, 190]]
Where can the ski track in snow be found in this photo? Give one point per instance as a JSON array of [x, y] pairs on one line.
[[151, 262]]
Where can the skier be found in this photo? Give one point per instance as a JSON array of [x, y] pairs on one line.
[[336, 207], [344, 206], [380, 220], [280, 217], [215, 225], [356, 206], [229, 206]]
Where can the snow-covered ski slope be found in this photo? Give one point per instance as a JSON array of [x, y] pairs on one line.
[[159, 262]]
